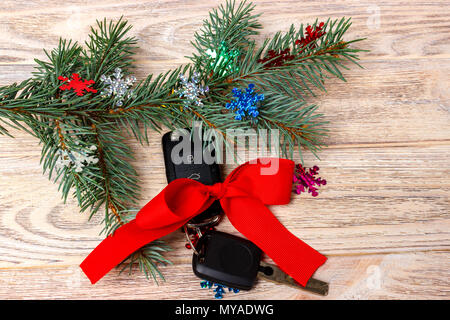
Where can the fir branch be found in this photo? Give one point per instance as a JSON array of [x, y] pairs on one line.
[[67, 124], [111, 204], [231, 24], [109, 48], [61, 61], [120, 192], [60, 134], [148, 258]]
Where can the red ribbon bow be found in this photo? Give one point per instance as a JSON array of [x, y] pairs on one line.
[[243, 196]]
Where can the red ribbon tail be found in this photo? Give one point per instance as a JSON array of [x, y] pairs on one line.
[[256, 222], [116, 248], [155, 220]]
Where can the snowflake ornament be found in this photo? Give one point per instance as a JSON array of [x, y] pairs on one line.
[[307, 180], [77, 84], [245, 103], [75, 159], [191, 90], [219, 289], [311, 35], [118, 86], [223, 59]]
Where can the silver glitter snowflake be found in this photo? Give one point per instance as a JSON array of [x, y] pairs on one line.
[[118, 86], [75, 159], [191, 90]]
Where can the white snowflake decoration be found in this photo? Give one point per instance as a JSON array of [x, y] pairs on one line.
[[75, 159], [191, 90], [118, 86]]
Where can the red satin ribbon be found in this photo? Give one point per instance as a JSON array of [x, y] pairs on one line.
[[243, 196]]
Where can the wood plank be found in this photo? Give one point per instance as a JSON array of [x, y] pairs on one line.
[[160, 25], [390, 276], [384, 213]]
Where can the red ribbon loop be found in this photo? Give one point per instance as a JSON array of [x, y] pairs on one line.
[[243, 196]]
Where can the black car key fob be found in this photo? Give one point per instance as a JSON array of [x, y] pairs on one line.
[[185, 167], [236, 262], [226, 259]]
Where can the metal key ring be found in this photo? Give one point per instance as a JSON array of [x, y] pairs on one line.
[[211, 221], [185, 227]]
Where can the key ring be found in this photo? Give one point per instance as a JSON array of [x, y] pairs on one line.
[[205, 223], [198, 229], [199, 233]]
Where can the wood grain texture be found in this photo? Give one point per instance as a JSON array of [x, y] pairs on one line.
[[383, 218]]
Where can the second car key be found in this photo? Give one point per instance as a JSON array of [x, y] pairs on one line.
[[235, 262], [208, 174]]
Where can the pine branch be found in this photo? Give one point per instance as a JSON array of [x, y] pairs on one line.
[[83, 148], [109, 48], [153, 105], [230, 23], [285, 85], [148, 258], [71, 128]]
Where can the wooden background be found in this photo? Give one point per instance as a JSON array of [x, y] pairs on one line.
[[383, 219]]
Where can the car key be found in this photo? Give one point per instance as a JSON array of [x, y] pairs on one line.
[[207, 174], [235, 262]]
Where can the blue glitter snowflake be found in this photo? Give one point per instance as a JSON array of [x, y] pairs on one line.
[[245, 103], [219, 288]]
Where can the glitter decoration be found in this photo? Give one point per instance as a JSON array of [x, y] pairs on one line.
[[245, 103], [224, 59], [192, 90], [276, 58], [118, 86], [219, 288], [279, 58], [306, 180], [77, 84], [76, 159], [311, 35]]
